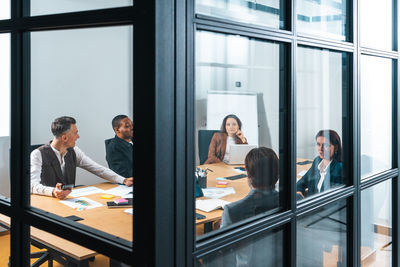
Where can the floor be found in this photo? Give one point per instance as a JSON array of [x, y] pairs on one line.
[[100, 260]]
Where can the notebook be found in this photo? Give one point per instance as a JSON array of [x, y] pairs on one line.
[[112, 204]]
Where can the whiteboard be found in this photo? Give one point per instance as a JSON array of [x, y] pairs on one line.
[[241, 104]]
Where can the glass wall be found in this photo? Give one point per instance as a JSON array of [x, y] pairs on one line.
[[323, 18], [270, 13], [322, 81], [376, 225], [4, 240], [376, 115], [376, 24], [44, 7], [80, 81], [264, 250], [5, 9], [238, 81], [5, 115], [321, 237]]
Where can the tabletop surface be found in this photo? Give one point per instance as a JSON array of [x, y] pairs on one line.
[[112, 221]]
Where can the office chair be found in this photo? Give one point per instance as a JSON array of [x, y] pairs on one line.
[[204, 142]]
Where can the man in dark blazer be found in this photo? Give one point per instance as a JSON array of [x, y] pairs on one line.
[[119, 150]]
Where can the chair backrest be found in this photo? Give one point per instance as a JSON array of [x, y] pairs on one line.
[[107, 141], [33, 147], [204, 142]]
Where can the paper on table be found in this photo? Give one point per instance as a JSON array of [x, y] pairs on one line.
[[302, 173], [120, 190], [81, 203], [208, 205], [85, 191], [213, 192], [130, 211]]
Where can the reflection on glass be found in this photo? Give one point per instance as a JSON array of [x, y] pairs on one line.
[[376, 225], [376, 115], [262, 251], [270, 13], [321, 237], [5, 9], [326, 18], [376, 24], [5, 114], [80, 81], [237, 110], [43, 7], [321, 79]]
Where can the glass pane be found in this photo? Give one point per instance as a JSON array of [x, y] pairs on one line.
[[266, 250], [43, 7], [270, 13], [376, 115], [376, 24], [80, 81], [66, 253], [237, 110], [321, 81], [321, 237], [5, 9], [5, 114], [325, 18], [5, 238], [376, 225]]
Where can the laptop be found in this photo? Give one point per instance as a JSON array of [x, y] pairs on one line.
[[238, 153]]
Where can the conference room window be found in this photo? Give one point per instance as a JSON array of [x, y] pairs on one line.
[[5, 238], [265, 249], [263, 13], [5, 9], [237, 109], [321, 236], [63, 252], [376, 115], [322, 80], [327, 19], [85, 74], [376, 225], [376, 24], [44, 7], [5, 114]]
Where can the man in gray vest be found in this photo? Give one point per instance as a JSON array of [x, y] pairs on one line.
[[54, 164]]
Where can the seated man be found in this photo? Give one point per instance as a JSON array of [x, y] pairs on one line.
[[54, 164], [119, 150]]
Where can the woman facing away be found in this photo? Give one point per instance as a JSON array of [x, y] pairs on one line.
[[326, 169], [230, 134], [262, 165]]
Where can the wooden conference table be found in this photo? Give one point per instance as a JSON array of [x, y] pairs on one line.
[[112, 221], [240, 186]]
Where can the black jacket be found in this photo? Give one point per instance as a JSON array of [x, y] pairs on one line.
[[119, 156]]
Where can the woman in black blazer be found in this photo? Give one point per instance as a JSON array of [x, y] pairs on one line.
[[326, 169]]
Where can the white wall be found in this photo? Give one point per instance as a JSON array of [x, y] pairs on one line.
[[86, 74]]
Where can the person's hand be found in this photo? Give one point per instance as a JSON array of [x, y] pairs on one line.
[[128, 181], [299, 195], [59, 193], [240, 135]]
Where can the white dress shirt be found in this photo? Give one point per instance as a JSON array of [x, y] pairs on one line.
[[322, 172], [82, 161]]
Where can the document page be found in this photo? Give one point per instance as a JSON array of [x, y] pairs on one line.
[[85, 191], [208, 205], [81, 203]]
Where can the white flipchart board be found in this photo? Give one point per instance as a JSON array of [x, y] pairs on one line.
[[243, 105]]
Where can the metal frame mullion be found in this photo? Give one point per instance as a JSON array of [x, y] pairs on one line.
[[20, 197], [93, 18]]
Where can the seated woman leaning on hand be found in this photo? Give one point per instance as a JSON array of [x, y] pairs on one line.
[[326, 169], [262, 165], [220, 143]]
